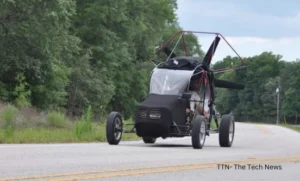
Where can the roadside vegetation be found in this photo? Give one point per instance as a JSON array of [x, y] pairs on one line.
[[66, 64], [26, 125], [293, 127]]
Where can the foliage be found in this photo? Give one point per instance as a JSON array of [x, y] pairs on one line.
[[84, 125], [57, 119], [8, 120], [60, 129], [35, 41], [258, 101], [44, 135], [21, 93], [72, 54]]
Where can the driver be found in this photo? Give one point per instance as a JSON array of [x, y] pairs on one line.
[[195, 104]]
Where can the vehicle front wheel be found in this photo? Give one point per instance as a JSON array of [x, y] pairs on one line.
[[114, 128], [198, 132], [226, 131]]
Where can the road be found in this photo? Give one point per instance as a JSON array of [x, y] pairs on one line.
[[255, 148]]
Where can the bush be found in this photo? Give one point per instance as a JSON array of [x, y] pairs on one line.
[[8, 119], [84, 125], [57, 119]]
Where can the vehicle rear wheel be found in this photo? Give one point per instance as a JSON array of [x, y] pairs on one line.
[[226, 131], [198, 132], [114, 128], [149, 140]]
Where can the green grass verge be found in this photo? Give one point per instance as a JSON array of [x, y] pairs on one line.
[[19, 126], [56, 135], [293, 127]]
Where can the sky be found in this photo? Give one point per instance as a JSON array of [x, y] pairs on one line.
[[250, 26]]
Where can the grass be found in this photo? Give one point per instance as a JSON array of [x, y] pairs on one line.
[[57, 119], [55, 135], [17, 126], [293, 127]]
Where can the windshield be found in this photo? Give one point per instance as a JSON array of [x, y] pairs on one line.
[[169, 82]]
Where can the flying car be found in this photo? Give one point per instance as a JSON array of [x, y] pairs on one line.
[[180, 101]]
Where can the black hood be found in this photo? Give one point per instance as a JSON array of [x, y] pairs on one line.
[[182, 63]]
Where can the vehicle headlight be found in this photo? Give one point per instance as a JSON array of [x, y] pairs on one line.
[[154, 115]]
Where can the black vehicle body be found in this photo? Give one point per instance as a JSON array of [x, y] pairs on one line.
[[164, 115], [156, 115]]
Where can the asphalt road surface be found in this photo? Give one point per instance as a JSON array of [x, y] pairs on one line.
[[259, 152]]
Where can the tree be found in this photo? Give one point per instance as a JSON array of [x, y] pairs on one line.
[[35, 42]]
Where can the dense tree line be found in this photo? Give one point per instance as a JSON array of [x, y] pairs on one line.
[[72, 53], [258, 101]]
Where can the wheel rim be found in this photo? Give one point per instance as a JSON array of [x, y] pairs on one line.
[[231, 131], [117, 128], [202, 132]]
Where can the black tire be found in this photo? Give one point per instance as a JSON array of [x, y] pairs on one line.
[[226, 131], [149, 140], [114, 128], [198, 122]]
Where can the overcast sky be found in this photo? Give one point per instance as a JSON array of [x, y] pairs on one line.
[[251, 26]]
